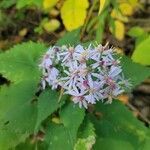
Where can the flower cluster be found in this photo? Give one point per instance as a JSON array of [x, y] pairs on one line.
[[87, 74]]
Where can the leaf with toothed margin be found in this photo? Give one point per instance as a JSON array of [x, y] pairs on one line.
[[64, 135], [47, 104], [86, 136], [72, 117], [21, 62], [17, 111]]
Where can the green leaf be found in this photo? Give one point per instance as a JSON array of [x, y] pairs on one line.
[[58, 137], [47, 104], [18, 112], [25, 146], [72, 116], [70, 38], [86, 129], [141, 53], [136, 31], [24, 3], [146, 144], [108, 143], [139, 34], [64, 135], [86, 136], [7, 139], [47, 4], [91, 24], [133, 71], [101, 25], [6, 4], [17, 124], [103, 5], [116, 123], [14, 96], [30, 144], [85, 144], [141, 38], [21, 62]]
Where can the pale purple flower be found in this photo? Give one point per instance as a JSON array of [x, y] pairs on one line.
[[80, 100], [114, 71], [67, 55], [94, 93], [74, 74], [126, 83], [81, 54], [88, 75], [46, 63], [96, 53], [53, 73], [78, 97], [52, 78]]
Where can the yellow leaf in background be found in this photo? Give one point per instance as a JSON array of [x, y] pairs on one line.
[[119, 51], [117, 15], [73, 13], [126, 9], [53, 12], [123, 98], [133, 3], [102, 4], [23, 32], [51, 25], [119, 30], [49, 3], [56, 120]]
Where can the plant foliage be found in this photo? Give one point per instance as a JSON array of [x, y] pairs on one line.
[[24, 112]]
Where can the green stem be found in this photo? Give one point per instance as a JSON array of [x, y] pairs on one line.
[[88, 18]]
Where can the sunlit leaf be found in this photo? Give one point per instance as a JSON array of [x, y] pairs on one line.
[[23, 32], [126, 9], [118, 15], [73, 13], [119, 30], [51, 25], [136, 31], [134, 3], [103, 4], [131, 71], [49, 3], [86, 136], [142, 52]]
